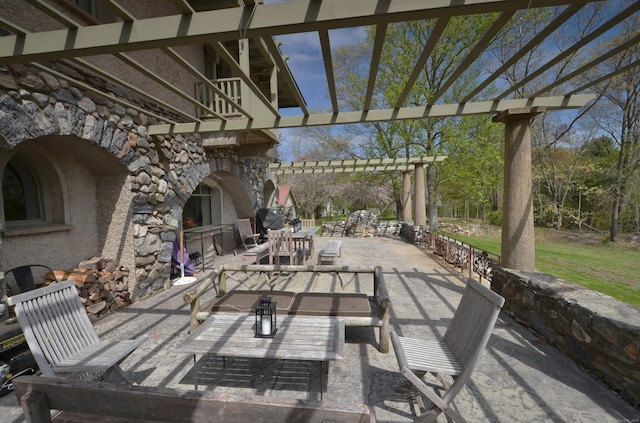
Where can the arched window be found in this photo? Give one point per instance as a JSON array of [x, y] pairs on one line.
[[204, 206], [21, 192]]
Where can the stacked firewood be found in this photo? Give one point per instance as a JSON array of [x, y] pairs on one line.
[[102, 284]]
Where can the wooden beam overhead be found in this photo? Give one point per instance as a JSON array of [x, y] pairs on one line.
[[634, 7], [438, 30], [407, 113], [328, 68], [115, 99], [268, 20], [237, 71], [475, 52], [356, 162], [376, 54], [276, 55]]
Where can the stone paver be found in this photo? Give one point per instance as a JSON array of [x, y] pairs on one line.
[[519, 379]]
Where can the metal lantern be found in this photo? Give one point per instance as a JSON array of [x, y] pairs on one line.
[[296, 224], [265, 326]]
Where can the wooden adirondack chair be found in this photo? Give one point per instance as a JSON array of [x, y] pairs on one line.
[[455, 356], [61, 337]]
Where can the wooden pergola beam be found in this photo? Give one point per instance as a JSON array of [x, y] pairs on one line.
[[407, 113]]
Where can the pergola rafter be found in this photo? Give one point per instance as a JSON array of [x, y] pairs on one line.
[[352, 165], [260, 23]]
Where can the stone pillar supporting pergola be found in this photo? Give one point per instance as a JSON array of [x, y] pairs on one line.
[[518, 239], [406, 196], [421, 210]]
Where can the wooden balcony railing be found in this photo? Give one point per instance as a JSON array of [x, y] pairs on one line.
[[230, 86]]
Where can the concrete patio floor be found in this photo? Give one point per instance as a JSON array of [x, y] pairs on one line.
[[520, 378]]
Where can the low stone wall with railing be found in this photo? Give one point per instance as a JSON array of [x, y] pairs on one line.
[[467, 258], [597, 331], [600, 333]]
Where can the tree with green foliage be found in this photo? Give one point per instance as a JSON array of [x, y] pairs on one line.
[[403, 46], [617, 115]]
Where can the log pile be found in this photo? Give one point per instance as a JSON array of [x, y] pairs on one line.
[[103, 286]]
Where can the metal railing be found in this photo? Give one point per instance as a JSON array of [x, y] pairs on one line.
[[456, 253]]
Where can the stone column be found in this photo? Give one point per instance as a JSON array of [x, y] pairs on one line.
[[406, 196], [518, 239], [421, 210]]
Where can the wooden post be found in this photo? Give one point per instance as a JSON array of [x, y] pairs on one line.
[[35, 407], [421, 210], [406, 196]]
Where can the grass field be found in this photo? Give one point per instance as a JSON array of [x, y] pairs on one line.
[[582, 258]]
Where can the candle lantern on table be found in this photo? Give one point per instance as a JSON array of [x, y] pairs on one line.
[[265, 326], [296, 224]]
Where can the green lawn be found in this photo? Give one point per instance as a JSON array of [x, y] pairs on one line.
[[610, 268]]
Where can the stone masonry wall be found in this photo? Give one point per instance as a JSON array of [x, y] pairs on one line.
[[164, 170], [599, 332]]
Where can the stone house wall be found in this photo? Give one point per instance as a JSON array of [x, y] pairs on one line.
[[157, 174]]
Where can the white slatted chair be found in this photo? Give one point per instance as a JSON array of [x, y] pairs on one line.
[[61, 337], [455, 356]]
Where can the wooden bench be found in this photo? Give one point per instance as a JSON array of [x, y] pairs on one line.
[[255, 254], [81, 401], [329, 252]]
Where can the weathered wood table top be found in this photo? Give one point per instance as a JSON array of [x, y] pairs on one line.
[[297, 338]]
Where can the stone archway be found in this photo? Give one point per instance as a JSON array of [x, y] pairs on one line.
[[155, 175]]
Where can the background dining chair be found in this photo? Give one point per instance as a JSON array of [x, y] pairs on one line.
[[23, 278]]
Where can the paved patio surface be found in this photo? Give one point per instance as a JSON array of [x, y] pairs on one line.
[[520, 378]]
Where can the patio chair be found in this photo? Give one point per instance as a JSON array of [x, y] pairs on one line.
[[61, 337], [247, 236], [455, 356], [282, 244], [307, 223], [21, 278]]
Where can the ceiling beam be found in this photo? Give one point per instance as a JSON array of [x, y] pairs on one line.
[[437, 32], [120, 11], [381, 33], [535, 41], [184, 6], [269, 19], [356, 162], [635, 6], [114, 98], [477, 50], [346, 169], [285, 72], [54, 13], [599, 59], [325, 45], [202, 78], [407, 113], [163, 82], [142, 93]]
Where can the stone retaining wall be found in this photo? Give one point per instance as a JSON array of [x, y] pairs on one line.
[[599, 332]]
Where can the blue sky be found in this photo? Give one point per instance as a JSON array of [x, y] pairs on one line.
[[306, 64]]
